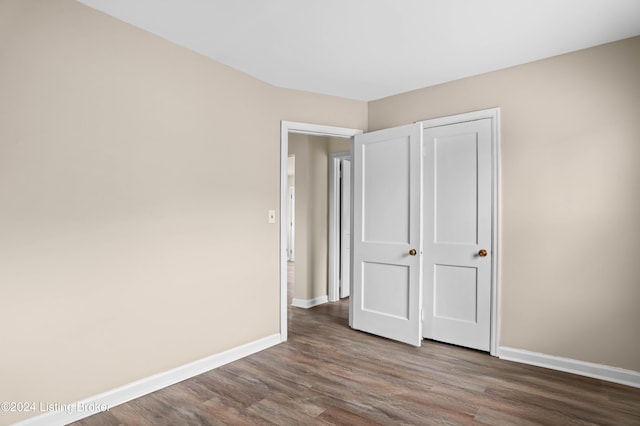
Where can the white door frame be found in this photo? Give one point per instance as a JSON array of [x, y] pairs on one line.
[[334, 223], [494, 115], [287, 127]]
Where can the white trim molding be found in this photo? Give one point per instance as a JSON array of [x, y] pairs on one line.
[[78, 410], [568, 365], [309, 303]]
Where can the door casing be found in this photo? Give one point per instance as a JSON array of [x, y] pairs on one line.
[[287, 127]]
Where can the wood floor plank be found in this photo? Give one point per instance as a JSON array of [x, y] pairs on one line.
[[223, 413], [329, 374], [280, 408], [339, 416]]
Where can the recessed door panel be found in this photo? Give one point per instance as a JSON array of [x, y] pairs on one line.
[[387, 289], [455, 293], [386, 190], [456, 188]]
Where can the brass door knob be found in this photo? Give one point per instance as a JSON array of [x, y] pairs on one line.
[[413, 252], [482, 253]]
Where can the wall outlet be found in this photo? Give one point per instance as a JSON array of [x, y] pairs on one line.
[[272, 216]]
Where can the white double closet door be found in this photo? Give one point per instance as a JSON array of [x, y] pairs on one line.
[[422, 233]]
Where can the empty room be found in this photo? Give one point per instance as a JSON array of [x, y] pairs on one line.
[[145, 235]]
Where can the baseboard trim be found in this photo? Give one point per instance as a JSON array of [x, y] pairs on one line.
[[309, 303], [568, 365], [78, 410]]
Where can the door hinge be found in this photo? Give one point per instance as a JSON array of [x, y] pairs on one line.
[[421, 314]]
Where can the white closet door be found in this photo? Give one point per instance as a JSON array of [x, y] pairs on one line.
[[458, 234], [387, 232]]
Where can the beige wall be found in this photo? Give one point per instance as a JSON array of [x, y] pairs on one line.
[[570, 215], [338, 144], [135, 179]]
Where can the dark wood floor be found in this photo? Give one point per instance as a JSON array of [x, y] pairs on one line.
[[329, 374]]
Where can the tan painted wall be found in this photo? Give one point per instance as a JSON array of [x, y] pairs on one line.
[[338, 144], [570, 216], [135, 179]]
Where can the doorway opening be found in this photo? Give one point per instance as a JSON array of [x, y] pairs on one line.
[[287, 128]]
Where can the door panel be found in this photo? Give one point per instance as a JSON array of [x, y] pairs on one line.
[[455, 290], [386, 291], [386, 190], [457, 215], [455, 188]]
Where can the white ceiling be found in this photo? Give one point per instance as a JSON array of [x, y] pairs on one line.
[[369, 49]]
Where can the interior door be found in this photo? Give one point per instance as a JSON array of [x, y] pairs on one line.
[[386, 297], [457, 238], [291, 220], [345, 228]]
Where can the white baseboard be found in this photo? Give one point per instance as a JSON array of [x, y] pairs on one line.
[[588, 369], [309, 303], [78, 410]]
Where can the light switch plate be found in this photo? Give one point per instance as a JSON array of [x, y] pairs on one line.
[[272, 216]]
